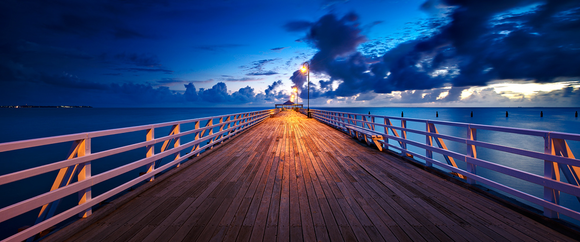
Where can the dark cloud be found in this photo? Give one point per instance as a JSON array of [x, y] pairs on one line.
[[331, 3], [266, 73], [124, 33], [243, 95], [216, 48], [333, 38], [70, 81], [271, 88], [298, 79], [479, 42], [218, 93], [297, 26], [367, 96], [277, 49], [243, 79], [66, 89], [256, 68], [88, 19], [145, 60], [172, 81], [165, 71]]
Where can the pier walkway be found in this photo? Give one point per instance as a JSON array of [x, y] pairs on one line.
[[296, 179]]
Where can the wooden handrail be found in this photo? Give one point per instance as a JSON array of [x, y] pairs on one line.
[[556, 153], [228, 125]]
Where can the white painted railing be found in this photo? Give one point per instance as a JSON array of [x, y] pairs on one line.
[[557, 155], [79, 160]]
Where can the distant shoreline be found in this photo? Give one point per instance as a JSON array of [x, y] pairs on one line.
[[34, 106]]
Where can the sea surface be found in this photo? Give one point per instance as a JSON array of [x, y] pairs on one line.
[[22, 124]]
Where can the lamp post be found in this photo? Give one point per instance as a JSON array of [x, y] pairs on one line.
[[306, 68], [295, 89]]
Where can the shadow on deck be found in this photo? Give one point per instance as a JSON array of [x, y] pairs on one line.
[[295, 179]]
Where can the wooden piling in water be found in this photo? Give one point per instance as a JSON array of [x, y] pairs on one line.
[[506, 114], [541, 114], [437, 114], [472, 114], [401, 114]]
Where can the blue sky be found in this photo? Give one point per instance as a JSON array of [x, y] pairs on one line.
[[247, 53]]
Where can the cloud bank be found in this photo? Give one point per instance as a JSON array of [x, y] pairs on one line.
[[482, 41]]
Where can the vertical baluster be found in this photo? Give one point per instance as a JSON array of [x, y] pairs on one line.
[[429, 142], [471, 152], [150, 150], [551, 171]]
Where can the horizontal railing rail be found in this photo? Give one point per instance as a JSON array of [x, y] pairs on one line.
[[78, 164], [557, 155]]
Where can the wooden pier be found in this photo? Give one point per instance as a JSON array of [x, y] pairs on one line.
[[296, 179]]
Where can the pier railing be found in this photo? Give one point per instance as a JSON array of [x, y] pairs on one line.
[[557, 156], [75, 175]]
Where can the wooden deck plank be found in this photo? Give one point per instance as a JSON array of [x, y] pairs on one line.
[[295, 179], [306, 221]]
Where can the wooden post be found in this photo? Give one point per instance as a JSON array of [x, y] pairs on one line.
[[429, 142], [551, 171], [386, 122], [506, 114], [177, 143], [401, 114], [472, 152], [404, 135], [541, 114], [85, 173], [150, 151], [437, 114], [472, 114]]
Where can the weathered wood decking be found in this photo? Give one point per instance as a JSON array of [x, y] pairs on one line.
[[295, 179]]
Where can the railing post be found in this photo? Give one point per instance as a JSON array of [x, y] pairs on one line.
[[197, 136], [386, 122], [471, 152], [429, 142], [177, 143], [551, 171], [210, 123], [85, 173], [150, 150], [404, 135]]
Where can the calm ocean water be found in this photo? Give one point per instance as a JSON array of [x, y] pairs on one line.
[[21, 124]]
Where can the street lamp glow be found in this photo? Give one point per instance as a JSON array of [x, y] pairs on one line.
[[303, 69]]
